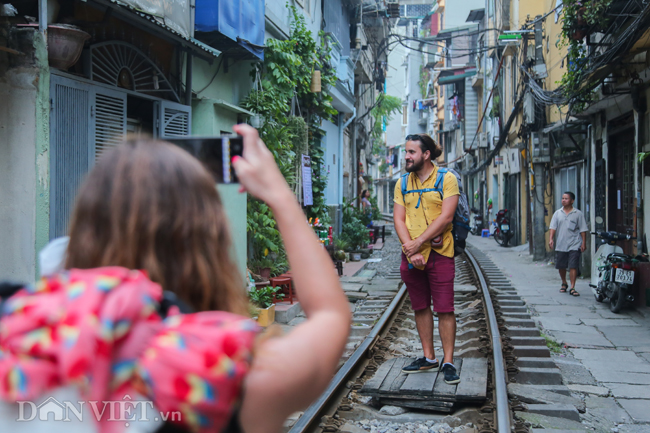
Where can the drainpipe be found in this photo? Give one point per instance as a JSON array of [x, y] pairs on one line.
[[340, 165], [42, 18], [188, 79]]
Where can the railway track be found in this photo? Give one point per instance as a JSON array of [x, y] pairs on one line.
[[393, 338], [504, 365]]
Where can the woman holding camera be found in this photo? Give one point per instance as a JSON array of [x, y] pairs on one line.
[[148, 218]]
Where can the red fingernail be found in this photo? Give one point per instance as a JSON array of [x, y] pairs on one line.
[[234, 158]]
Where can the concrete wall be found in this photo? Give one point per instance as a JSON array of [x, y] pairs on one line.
[[414, 65], [396, 86], [278, 17], [456, 12], [208, 119], [332, 162], [24, 162]]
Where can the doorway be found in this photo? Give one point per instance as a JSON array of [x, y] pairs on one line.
[[511, 195], [621, 184]]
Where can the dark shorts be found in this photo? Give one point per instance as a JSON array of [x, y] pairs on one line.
[[567, 259], [434, 283]]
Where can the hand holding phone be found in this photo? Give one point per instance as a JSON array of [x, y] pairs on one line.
[[216, 154], [257, 170]]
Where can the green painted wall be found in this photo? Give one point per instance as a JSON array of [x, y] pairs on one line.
[[208, 120], [42, 235]]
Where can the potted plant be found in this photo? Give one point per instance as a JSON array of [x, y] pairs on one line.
[[263, 298], [264, 267]]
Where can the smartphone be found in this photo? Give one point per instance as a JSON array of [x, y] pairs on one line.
[[214, 152]]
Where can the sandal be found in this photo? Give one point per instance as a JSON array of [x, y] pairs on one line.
[[573, 292], [564, 288]]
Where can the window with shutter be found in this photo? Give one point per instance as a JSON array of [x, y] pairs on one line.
[[174, 119], [70, 147], [110, 120]]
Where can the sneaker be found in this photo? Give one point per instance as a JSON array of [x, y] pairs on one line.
[[451, 377], [420, 365]]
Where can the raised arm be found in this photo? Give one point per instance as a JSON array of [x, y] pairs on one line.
[[289, 372]]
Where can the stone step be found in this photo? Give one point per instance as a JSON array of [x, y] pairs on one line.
[[539, 376], [511, 303], [517, 315], [508, 298], [531, 394], [531, 351], [523, 332], [514, 310], [528, 341], [521, 323], [557, 410], [535, 362], [285, 312], [558, 389]]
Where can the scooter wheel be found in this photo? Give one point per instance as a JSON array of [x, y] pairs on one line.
[[617, 300]]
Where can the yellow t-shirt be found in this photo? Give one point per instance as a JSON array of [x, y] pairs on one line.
[[431, 205]]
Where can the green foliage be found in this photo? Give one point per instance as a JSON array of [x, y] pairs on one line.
[[354, 230], [552, 345], [374, 206], [423, 81], [382, 112], [341, 244], [579, 18], [287, 72], [262, 297]]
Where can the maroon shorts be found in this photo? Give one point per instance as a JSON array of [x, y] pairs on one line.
[[435, 282]]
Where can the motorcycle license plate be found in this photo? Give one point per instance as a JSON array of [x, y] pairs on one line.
[[505, 227], [623, 276]]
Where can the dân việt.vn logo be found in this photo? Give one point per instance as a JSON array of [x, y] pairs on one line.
[[126, 411]]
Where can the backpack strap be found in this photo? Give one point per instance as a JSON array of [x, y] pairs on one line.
[[419, 191], [405, 179], [440, 181]]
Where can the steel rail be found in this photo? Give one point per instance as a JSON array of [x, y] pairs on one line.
[[314, 413], [499, 372]]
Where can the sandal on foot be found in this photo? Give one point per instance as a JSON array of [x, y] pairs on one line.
[[564, 288], [573, 292]]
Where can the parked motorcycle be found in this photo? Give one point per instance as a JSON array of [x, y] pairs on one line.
[[477, 222], [613, 272], [502, 232]]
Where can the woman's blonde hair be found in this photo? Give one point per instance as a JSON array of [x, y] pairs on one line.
[[149, 205]]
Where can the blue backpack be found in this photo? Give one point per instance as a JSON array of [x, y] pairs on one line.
[[460, 227]]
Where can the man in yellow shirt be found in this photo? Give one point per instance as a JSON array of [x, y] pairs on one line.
[[428, 270]]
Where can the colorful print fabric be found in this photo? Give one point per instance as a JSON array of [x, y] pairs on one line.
[[99, 329]]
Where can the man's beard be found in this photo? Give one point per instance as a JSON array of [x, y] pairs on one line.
[[415, 166]]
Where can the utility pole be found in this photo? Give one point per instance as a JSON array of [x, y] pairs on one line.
[[539, 222]]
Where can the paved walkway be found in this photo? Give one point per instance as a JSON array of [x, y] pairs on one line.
[[605, 357]]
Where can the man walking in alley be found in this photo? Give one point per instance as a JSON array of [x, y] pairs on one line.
[[423, 212], [571, 228]]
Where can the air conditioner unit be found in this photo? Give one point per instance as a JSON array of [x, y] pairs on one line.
[[392, 8], [482, 139]]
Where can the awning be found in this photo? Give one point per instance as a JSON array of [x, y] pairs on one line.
[[232, 107], [452, 78], [233, 25], [475, 15], [151, 22]]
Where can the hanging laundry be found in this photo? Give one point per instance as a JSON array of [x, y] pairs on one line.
[[420, 105]]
